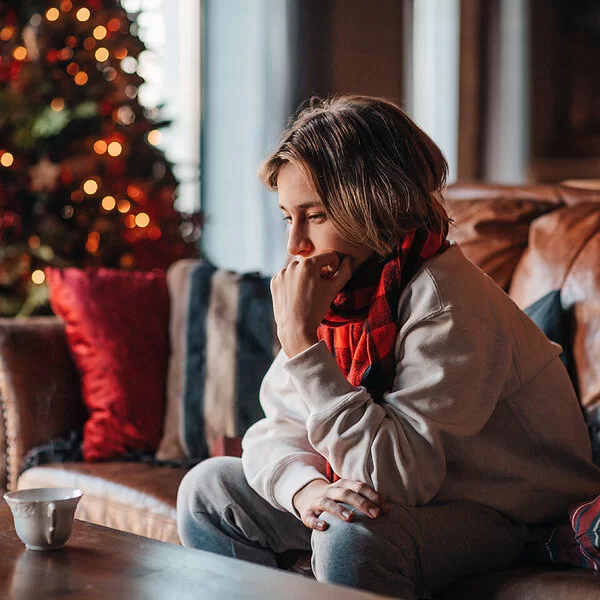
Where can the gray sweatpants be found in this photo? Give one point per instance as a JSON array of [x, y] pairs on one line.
[[410, 552]]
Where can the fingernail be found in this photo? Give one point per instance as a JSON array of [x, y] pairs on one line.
[[321, 524], [346, 514], [374, 512]]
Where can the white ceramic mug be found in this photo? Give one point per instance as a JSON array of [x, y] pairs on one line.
[[44, 516]]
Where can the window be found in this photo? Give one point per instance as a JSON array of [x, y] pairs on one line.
[[171, 68], [433, 73]]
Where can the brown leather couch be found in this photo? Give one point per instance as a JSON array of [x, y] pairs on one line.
[[529, 239]]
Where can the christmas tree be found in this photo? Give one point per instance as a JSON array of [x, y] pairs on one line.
[[82, 182]]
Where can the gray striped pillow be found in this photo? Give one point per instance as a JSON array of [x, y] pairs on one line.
[[222, 343]]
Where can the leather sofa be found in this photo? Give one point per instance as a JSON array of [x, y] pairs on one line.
[[529, 239]]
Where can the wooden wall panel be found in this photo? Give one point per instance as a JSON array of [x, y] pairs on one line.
[[367, 47]]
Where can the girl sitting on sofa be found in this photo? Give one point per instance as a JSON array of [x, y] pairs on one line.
[[419, 427]]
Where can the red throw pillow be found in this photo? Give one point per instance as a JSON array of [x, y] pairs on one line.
[[116, 324]]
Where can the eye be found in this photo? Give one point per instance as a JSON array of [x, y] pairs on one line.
[[317, 218], [287, 219]]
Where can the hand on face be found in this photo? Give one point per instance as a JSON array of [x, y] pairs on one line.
[[302, 294]]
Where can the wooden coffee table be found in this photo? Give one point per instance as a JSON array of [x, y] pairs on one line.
[[99, 562]]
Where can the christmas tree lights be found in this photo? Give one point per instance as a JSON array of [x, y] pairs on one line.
[[82, 181]]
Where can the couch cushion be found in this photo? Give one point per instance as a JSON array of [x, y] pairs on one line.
[[492, 223], [535, 583], [563, 252], [555, 241], [133, 497]]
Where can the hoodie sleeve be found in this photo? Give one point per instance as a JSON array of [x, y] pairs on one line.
[[278, 458]]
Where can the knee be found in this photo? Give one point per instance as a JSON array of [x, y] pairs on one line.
[[356, 553], [340, 552]]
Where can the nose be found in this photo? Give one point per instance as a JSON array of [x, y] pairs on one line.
[[299, 243]]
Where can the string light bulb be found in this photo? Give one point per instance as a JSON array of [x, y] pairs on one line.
[[127, 261], [83, 14], [108, 203], [134, 192], [72, 68], [115, 148], [20, 53], [123, 206], [90, 186], [129, 221], [7, 33], [129, 65], [57, 104], [99, 32], [34, 242], [142, 220], [154, 137], [93, 241], [114, 24], [109, 74], [124, 115], [66, 5], [64, 54], [120, 53], [38, 277], [81, 78], [52, 14], [102, 54], [89, 43], [7, 159], [100, 147]]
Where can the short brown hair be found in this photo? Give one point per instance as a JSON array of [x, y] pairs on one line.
[[376, 172]]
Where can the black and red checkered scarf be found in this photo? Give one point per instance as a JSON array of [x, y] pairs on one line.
[[361, 326]]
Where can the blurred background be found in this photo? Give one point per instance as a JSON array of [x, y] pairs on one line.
[[196, 92]]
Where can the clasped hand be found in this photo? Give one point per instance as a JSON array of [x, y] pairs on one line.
[[302, 294], [319, 496]]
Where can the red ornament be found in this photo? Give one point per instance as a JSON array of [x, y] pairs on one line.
[[10, 18], [66, 176], [105, 108], [10, 71], [116, 167]]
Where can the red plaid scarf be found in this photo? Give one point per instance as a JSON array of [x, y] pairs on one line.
[[361, 326]]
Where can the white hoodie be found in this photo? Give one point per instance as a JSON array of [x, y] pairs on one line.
[[481, 408]]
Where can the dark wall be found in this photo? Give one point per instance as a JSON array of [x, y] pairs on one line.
[[565, 89], [350, 46]]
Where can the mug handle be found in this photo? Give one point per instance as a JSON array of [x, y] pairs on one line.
[[52, 517]]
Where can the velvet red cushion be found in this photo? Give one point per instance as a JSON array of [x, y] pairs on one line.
[[116, 324]]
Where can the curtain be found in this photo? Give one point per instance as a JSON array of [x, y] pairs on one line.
[[247, 97]]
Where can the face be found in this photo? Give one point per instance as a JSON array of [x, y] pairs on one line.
[[310, 232]]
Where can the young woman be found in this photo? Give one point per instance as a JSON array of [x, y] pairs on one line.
[[418, 425]]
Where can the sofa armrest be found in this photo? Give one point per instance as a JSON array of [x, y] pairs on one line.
[[39, 390]]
